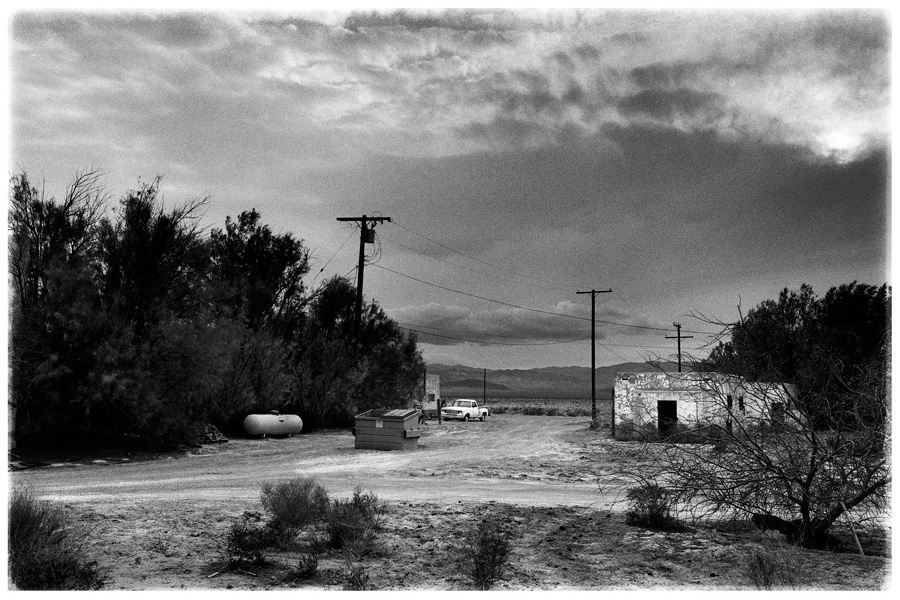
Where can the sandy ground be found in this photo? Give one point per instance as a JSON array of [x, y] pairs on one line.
[[162, 523]]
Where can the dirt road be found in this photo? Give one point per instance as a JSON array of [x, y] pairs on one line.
[[513, 459], [162, 524]]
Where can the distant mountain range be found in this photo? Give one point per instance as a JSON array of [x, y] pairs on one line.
[[547, 382]]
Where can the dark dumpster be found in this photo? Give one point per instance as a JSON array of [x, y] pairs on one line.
[[387, 429]]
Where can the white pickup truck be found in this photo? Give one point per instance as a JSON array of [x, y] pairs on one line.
[[464, 410]]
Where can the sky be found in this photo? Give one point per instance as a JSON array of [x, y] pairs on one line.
[[692, 162]]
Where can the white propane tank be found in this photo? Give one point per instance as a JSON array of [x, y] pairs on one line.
[[272, 424]]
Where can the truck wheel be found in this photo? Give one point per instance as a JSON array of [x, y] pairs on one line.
[[482, 417], [466, 418]]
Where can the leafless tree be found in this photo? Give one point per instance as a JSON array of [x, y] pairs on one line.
[[792, 457]]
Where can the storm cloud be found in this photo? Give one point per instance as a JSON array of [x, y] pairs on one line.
[[689, 160]]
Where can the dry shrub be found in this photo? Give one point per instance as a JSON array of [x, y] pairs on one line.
[[774, 568], [294, 504], [485, 554], [307, 563], [578, 412], [357, 578], [246, 545], [45, 551], [651, 506], [354, 523]]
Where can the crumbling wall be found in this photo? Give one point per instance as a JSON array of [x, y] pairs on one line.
[[701, 399], [636, 398]]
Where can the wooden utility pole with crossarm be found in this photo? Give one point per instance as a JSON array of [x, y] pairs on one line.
[[366, 236], [593, 294], [679, 337]]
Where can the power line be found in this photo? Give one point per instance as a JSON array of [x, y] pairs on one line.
[[493, 335], [458, 266], [416, 326], [537, 310], [602, 345], [332, 257], [555, 284], [486, 343]]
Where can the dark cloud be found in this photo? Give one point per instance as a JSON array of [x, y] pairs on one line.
[[414, 21], [587, 52], [665, 106], [301, 26], [174, 30], [661, 75], [658, 208], [853, 34], [509, 131], [760, 204], [672, 157]]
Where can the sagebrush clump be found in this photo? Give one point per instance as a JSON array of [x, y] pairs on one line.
[[774, 568], [651, 506], [354, 523], [485, 553], [294, 504], [307, 564], [356, 578], [246, 545], [45, 552]]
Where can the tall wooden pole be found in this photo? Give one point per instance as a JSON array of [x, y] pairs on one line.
[[593, 294], [679, 337], [363, 240]]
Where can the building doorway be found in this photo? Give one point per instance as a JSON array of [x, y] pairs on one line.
[[667, 416]]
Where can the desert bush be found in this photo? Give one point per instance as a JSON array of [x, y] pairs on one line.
[[485, 553], [357, 578], [354, 523], [307, 563], [246, 545], [534, 410], [45, 552], [294, 504], [651, 506], [552, 411], [498, 409], [774, 568], [578, 412]]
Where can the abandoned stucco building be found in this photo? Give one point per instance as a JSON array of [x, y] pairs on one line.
[[664, 402]]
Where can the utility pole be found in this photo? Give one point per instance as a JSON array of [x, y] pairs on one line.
[[366, 236], [679, 337], [484, 387], [593, 294]]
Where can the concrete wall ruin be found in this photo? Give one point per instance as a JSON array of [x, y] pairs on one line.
[[662, 402]]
